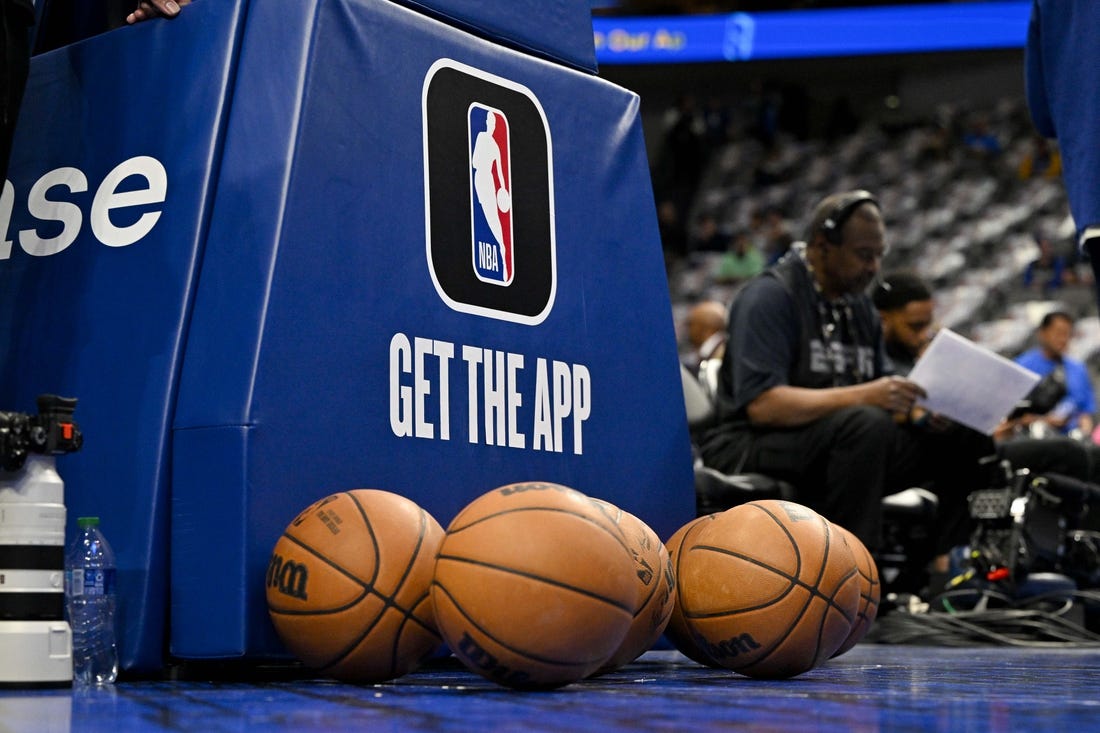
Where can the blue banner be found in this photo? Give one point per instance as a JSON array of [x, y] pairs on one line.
[[812, 33]]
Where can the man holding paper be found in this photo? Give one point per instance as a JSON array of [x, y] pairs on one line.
[[905, 304], [803, 394]]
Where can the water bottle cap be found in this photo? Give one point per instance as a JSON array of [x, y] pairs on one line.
[[85, 522]]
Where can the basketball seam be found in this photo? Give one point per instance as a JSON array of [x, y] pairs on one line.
[[794, 582], [619, 536], [540, 578], [509, 647], [679, 603], [396, 646], [388, 601]]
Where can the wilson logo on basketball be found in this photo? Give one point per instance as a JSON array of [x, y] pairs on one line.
[[469, 650], [288, 577], [730, 647]]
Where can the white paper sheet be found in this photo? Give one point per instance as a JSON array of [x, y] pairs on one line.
[[969, 383]]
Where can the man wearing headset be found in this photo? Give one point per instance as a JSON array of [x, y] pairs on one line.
[[803, 393]]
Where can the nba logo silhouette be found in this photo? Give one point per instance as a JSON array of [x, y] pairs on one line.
[[490, 197]]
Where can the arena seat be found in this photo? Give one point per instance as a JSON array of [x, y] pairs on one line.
[[716, 491]]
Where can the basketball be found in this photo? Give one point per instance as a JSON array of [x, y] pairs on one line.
[[654, 581], [768, 589], [504, 201], [870, 590], [534, 586], [677, 629], [348, 585]]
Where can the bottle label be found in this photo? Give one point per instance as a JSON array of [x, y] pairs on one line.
[[92, 581]]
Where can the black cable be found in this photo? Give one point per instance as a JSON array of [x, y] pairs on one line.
[[1019, 623]]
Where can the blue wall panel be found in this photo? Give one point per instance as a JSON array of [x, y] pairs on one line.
[[96, 307], [317, 264]]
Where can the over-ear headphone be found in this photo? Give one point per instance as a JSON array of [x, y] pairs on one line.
[[834, 222]]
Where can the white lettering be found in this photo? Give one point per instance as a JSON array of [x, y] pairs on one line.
[[421, 387], [69, 215], [409, 409], [472, 356], [45, 209], [516, 439], [445, 350], [401, 413], [494, 396], [107, 199], [487, 256], [582, 404], [7, 203], [563, 400], [544, 429]]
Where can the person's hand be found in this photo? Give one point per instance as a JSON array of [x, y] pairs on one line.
[[938, 423], [147, 9], [895, 394], [1055, 420]]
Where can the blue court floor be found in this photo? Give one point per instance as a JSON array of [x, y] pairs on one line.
[[871, 688]]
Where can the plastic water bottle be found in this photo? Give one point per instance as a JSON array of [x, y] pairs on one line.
[[90, 589]]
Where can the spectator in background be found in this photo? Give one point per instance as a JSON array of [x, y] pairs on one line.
[[1062, 63], [980, 141], [905, 304], [1074, 412], [741, 261], [1042, 159], [671, 228], [707, 237], [1049, 271], [680, 161], [706, 332], [777, 235]]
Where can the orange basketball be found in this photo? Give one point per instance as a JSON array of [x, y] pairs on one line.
[[768, 588], [654, 580], [677, 629], [534, 586], [348, 585], [870, 590]]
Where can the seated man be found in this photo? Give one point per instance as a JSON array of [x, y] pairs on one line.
[[1049, 359], [803, 394], [905, 305]]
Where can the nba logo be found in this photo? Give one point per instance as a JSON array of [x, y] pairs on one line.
[[487, 156], [490, 195]]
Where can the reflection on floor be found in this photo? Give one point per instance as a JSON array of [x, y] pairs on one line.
[[872, 688]]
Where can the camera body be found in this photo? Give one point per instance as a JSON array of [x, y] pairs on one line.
[[1033, 524], [35, 639]]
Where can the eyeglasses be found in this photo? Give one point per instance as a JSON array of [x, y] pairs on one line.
[[869, 255]]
